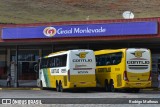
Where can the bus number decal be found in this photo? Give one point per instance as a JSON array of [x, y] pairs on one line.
[[54, 70], [117, 69], [104, 69], [82, 60], [82, 72], [63, 70]]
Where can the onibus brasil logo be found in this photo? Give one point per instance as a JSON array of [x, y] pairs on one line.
[[49, 31], [82, 54]]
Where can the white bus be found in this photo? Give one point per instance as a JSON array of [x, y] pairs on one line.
[[67, 69]]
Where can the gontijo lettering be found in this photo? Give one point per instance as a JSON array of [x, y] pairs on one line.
[[138, 62]]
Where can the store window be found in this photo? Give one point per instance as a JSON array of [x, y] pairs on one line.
[[25, 55]]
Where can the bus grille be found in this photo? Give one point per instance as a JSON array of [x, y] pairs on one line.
[[138, 66]]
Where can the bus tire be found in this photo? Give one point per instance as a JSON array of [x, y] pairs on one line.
[[112, 89], [61, 87], [136, 90], [57, 87], [106, 86]]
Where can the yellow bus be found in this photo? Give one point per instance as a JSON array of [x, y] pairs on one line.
[[67, 69], [128, 69]]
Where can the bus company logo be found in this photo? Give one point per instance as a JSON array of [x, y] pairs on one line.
[[138, 54], [82, 54], [49, 31], [6, 101]]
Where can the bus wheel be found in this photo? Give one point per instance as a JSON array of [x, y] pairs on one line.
[[136, 90], [112, 86], [60, 87], [106, 86], [57, 87]]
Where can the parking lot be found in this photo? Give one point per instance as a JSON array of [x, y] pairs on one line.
[[51, 93]]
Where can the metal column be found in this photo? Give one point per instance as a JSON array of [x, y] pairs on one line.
[[16, 69]]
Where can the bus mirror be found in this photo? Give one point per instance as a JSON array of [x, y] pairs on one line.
[[36, 68]]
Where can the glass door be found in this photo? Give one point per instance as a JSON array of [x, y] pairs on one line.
[[26, 61], [26, 70]]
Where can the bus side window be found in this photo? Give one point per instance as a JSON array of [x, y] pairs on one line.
[[113, 60], [103, 61], [49, 63], [118, 57], [60, 61], [108, 60], [53, 64], [46, 63], [64, 60], [97, 61], [57, 62], [100, 61]]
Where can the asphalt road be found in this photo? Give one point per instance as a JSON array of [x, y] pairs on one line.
[[50, 93]]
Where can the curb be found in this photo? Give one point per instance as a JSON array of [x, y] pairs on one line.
[[20, 89]]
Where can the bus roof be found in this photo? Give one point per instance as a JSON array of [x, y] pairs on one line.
[[109, 50], [113, 50], [55, 53], [63, 52]]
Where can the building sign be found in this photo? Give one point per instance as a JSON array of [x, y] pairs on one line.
[[82, 30]]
